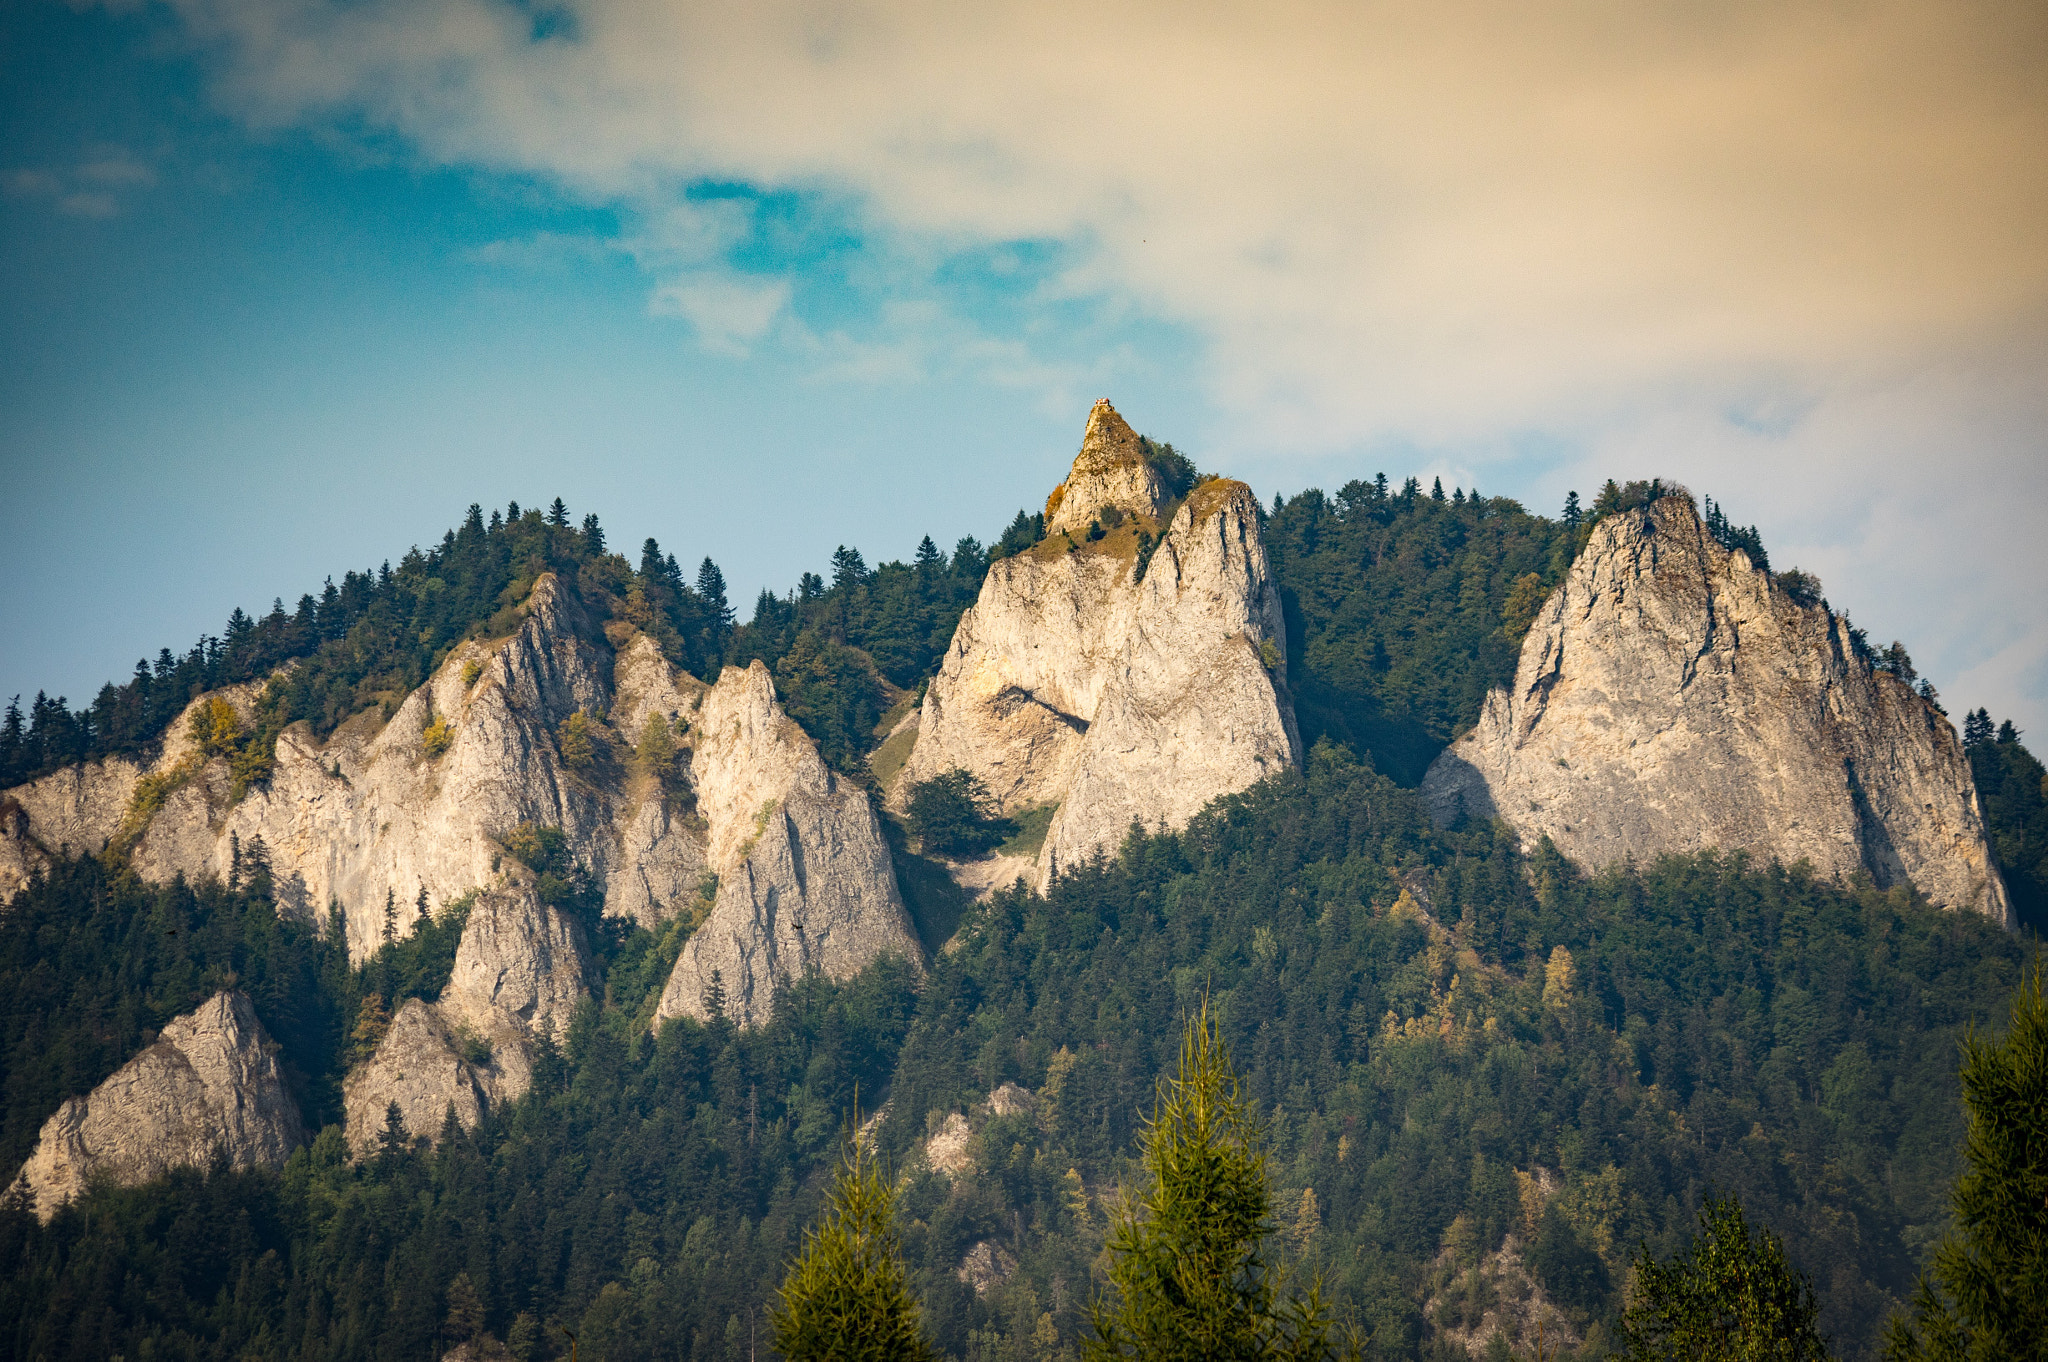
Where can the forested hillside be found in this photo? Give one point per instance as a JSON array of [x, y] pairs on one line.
[[1453, 1042], [1424, 1017]]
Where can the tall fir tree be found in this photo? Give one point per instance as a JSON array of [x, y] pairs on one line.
[[1186, 1269], [1987, 1295], [847, 1296]]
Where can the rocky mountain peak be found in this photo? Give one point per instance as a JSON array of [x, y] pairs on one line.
[[209, 1083], [1673, 697], [1110, 474], [1122, 679]]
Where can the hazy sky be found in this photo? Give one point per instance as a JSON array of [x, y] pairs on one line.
[[289, 283]]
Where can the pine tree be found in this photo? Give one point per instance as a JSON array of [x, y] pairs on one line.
[[465, 1307], [1573, 516], [1729, 1296], [1987, 1295], [711, 586], [849, 569], [1977, 728], [558, 514], [1436, 489], [847, 1296], [1185, 1264], [593, 536]]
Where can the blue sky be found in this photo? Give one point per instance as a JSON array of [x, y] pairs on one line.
[[291, 282]]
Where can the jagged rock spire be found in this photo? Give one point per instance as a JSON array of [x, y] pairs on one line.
[[1110, 473]]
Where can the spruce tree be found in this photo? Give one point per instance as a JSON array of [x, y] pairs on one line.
[[1189, 1279], [1730, 1296], [847, 1297], [1987, 1295]]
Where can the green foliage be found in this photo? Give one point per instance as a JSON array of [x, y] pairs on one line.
[[438, 737], [1802, 586], [1987, 1294], [1730, 1295], [2014, 787], [1403, 611], [376, 635], [1174, 468], [952, 815], [847, 1297], [93, 962], [582, 742], [832, 691], [1185, 1261]]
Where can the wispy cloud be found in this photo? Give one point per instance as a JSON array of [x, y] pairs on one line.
[[728, 312], [1446, 228], [90, 189]]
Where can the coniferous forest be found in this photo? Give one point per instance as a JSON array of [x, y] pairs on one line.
[[1449, 1040]]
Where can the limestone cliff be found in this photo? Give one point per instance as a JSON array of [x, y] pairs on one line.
[[1130, 677], [1671, 698], [210, 1083], [804, 876], [377, 810], [521, 968]]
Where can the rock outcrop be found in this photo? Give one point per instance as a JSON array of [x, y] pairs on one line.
[[208, 1086], [805, 880], [521, 968], [1671, 697], [384, 808], [1127, 678]]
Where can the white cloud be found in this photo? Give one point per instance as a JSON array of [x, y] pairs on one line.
[[1786, 241], [729, 312]]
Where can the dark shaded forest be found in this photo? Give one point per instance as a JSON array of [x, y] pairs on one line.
[[1430, 1021]]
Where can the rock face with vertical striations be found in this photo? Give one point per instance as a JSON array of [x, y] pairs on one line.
[[1127, 678], [521, 969], [805, 880], [208, 1086], [375, 811], [1671, 697]]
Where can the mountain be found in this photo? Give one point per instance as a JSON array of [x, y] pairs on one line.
[[1673, 697], [1126, 669], [521, 833], [208, 1089]]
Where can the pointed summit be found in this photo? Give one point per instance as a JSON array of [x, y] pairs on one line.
[[1111, 473]]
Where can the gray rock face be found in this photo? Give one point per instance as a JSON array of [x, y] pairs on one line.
[[1673, 698], [209, 1082], [520, 968], [804, 876], [374, 812], [1074, 681]]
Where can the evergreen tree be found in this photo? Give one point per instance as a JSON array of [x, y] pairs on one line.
[[593, 535], [1185, 1264], [847, 1296], [1573, 516], [711, 588], [849, 569], [1987, 1295], [558, 514], [1436, 489], [465, 1307], [1729, 1296], [1976, 728]]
